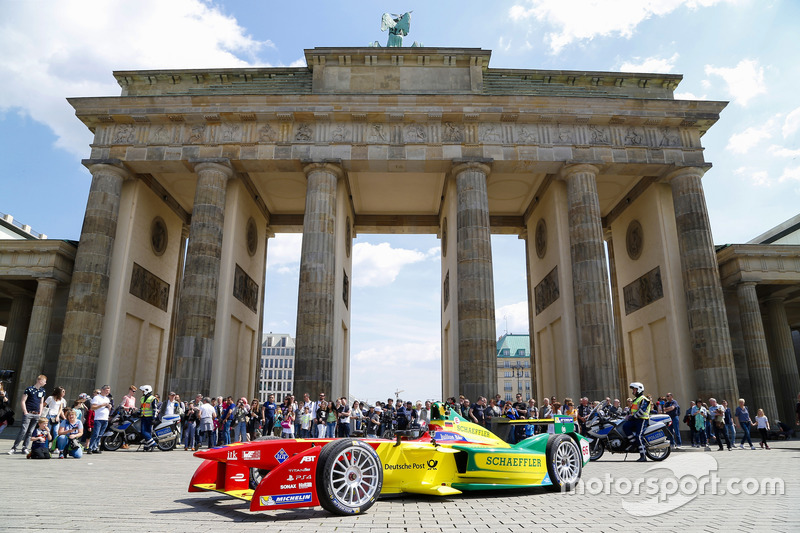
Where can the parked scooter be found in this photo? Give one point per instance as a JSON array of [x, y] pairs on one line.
[[127, 428], [606, 433]]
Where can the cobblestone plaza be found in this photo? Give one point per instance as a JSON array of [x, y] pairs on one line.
[[132, 491]]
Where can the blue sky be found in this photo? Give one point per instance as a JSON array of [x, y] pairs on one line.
[[741, 51]]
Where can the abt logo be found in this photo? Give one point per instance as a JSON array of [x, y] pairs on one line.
[[308, 459]]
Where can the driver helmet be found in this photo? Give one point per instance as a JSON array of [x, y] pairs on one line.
[[146, 389], [637, 388]]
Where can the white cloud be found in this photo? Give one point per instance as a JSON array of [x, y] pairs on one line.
[[792, 123], [744, 82], [661, 65], [743, 141], [578, 20], [790, 174], [513, 317], [689, 96], [756, 177], [375, 265], [780, 151], [283, 251], [52, 51]]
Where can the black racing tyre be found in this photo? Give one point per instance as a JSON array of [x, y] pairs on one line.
[[256, 475], [564, 462], [113, 442], [596, 450], [349, 477], [166, 446], [657, 455]]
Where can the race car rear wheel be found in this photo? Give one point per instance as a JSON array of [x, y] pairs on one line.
[[349, 477], [564, 462]]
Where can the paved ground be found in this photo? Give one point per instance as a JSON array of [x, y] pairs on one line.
[[130, 491]]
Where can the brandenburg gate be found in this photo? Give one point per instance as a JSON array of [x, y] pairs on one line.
[[599, 172]]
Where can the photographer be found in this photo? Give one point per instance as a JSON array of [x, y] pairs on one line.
[[70, 431]]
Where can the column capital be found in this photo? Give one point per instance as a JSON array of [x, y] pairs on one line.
[[569, 170], [685, 171], [113, 166], [482, 164], [334, 166], [219, 164], [746, 283]]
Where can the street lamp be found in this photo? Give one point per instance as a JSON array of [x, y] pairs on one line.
[[519, 373]]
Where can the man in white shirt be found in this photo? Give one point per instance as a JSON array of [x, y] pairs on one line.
[[101, 405], [207, 416]]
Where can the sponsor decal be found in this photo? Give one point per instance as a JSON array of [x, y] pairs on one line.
[[304, 485], [475, 430], [456, 420], [300, 469], [308, 459], [448, 436], [448, 424], [239, 477], [232, 455], [281, 456], [430, 465], [290, 478], [283, 499], [509, 462], [251, 455], [290, 486]]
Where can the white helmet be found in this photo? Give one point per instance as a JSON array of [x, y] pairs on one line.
[[637, 387], [146, 389]]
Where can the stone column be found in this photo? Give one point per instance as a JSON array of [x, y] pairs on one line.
[[708, 324], [38, 332], [315, 300], [755, 345], [14, 345], [88, 291], [477, 348], [597, 356], [622, 371], [784, 365], [197, 311]]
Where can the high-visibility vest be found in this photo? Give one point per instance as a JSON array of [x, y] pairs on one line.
[[147, 405], [641, 403]]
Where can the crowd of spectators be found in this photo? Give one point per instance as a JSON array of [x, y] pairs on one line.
[[50, 423]]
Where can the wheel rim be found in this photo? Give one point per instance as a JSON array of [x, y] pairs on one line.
[[657, 454], [567, 462], [354, 477]]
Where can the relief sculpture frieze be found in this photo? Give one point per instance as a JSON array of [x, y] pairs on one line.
[[148, 287], [643, 291], [245, 289], [546, 292], [231, 132]]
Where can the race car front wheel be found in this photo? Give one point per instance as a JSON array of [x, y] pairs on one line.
[[349, 477], [564, 462]]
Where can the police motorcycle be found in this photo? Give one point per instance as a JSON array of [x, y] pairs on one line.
[[605, 433], [124, 428]]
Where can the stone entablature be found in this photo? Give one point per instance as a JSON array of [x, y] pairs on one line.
[[762, 263], [37, 259]]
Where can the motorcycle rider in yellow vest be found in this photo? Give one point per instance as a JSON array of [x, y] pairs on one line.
[[148, 415], [637, 421]]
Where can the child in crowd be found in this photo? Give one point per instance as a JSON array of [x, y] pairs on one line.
[[40, 439], [763, 426]]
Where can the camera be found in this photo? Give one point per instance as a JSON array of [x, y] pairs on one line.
[[7, 375]]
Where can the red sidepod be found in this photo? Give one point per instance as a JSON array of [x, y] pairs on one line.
[[291, 484]]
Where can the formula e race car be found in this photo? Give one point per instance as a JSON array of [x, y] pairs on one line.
[[346, 476]]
